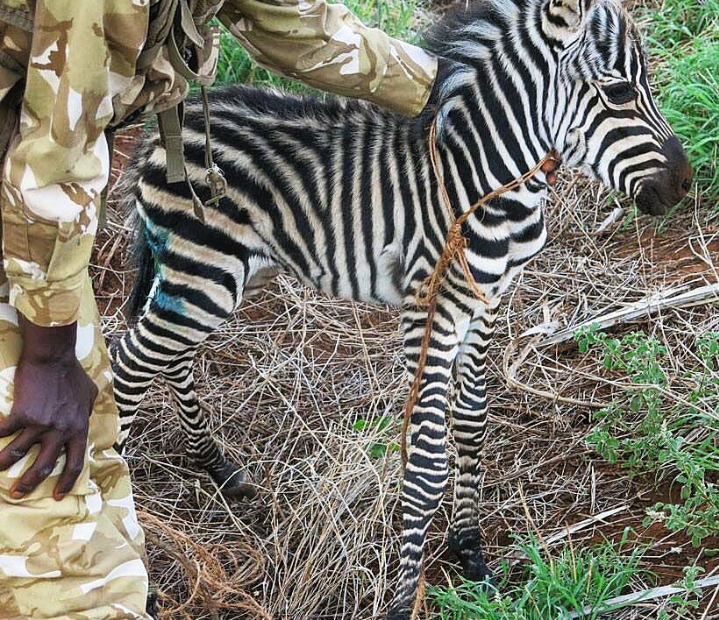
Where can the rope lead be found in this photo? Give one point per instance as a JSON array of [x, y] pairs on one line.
[[454, 247]]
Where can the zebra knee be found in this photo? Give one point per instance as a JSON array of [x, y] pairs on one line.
[[425, 481]]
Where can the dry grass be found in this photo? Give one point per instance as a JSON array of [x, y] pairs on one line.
[[288, 376]]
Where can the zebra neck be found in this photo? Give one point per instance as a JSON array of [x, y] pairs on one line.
[[484, 142], [472, 165]]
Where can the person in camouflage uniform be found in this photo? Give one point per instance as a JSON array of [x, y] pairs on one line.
[[70, 543]]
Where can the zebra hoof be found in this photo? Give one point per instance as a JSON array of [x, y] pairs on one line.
[[399, 613], [475, 569], [233, 483]]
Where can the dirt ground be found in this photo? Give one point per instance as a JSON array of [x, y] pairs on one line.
[[288, 376]]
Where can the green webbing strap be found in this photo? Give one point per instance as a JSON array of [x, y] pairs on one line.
[[188, 26], [170, 121], [171, 133], [177, 60], [162, 19], [102, 215], [170, 125], [16, 17]]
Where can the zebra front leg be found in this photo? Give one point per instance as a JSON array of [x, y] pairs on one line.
[[425, 475], [469, 428], [201, 446]]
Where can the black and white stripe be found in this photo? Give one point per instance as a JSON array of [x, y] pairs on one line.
[[341, 195]]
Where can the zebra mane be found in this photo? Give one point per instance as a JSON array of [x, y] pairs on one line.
[[467, 32]]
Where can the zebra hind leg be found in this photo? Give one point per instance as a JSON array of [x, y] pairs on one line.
[[177, 319], [201, 446]]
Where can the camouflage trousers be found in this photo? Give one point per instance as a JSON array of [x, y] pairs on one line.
[[82, 557]]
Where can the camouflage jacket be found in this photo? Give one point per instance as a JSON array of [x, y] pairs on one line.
[[77, 74]]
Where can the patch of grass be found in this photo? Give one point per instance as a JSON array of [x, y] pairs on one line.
[[551, 586], [654, 429], [684, 36], [678, 21], [690, 101], [398, 18]]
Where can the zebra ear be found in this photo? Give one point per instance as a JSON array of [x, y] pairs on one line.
[[564, 17]]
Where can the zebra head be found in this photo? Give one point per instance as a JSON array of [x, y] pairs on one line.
[[564, 74], [608, 123]]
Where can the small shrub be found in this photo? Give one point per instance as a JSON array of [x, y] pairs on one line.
[[645, 432], [380, 425]]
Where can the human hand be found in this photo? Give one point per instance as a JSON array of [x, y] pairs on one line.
[[53, 400]]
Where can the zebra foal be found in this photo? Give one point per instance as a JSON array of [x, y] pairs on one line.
[[342, 196]]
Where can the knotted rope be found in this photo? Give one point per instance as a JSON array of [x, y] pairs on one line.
[[454, 247]]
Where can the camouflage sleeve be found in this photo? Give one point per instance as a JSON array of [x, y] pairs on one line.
[[328, 47], [57, 164]]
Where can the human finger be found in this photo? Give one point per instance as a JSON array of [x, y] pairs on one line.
[[18, 447], [75, 461], [10, 425], [50, 450]]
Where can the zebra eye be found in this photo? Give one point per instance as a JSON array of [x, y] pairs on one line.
[[620, 93]]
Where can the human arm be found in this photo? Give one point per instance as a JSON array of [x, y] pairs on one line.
[[55, 170], [326, 46]]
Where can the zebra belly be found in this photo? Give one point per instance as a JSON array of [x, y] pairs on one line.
[[379, 284]]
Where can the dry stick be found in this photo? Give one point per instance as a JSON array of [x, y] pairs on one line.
[[695, 297], [454, 247], [569, 530], [510, 376], [573, 529], [626, 600], [711, 602]]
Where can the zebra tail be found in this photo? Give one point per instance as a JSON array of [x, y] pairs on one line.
[[142, 259], [144, 262]]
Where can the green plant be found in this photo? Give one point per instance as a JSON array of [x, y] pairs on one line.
[[551, 587], [638, 357], [684, 37], [647, 432], [380, 425], [698, 514], [678, 21], [685, 604]]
